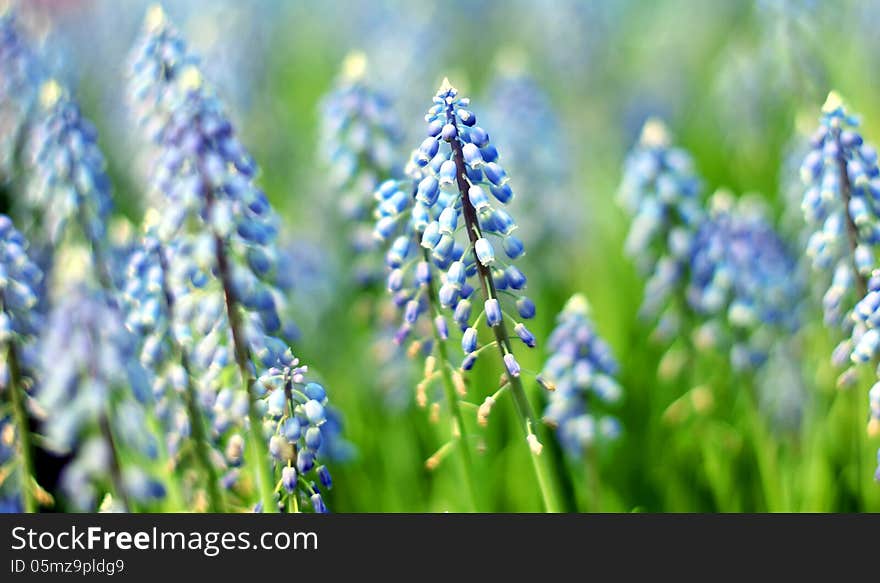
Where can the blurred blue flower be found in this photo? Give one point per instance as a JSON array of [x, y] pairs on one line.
[[743, 283], [359, 138], [69, 189], [20, 281], [95, 400], [580, 373], [534, 142], [222, 231], [661, 192], [19, 80], [155, 64]]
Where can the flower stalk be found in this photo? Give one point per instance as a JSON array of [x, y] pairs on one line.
[[527, 417], [460, 431]]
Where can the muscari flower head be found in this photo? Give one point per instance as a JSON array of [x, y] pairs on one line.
[[92, 387], [69, 188], [435, 239], [580, 373], [840, 205], [661, 193], [20, 281], [221, 225], [359, 136], [155, 64], [146, 294], [301, 429], [18, 88], [743, 282]]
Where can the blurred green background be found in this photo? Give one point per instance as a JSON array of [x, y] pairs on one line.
[[735, 81]]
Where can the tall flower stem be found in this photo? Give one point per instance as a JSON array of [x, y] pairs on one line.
[[115, 465], [462, 435], [25, 447], [861, 281], [852, 231], [591, 466], [258, 448], [528, 419], [196, 419]]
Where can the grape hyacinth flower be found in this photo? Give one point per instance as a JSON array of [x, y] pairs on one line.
[[359, 138], [298, 422], [461, 177], [69, 188], [18, 88], [154, 65], [19, 322], [580, 373], [661, 193], [95, 401], [744, 283], [223, 230], [841, 177]]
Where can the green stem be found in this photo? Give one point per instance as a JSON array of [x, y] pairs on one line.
[[467, 465], [592, 466], [259, 451], [765, 450], [528, 420], [529, 424], [25, 447], [116, 480]]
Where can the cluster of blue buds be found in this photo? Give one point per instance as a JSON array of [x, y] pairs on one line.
[[298, 422], [206, 176], [411, 271], [743, 282], [662, 194], [146, 295], [18, 87], [521, 106], [412, 281], [155, 64], [454, 198], [840, 204], [20, 280], [95, 401], [580, 373], [359, 139], [222, 231], [69, 186]]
